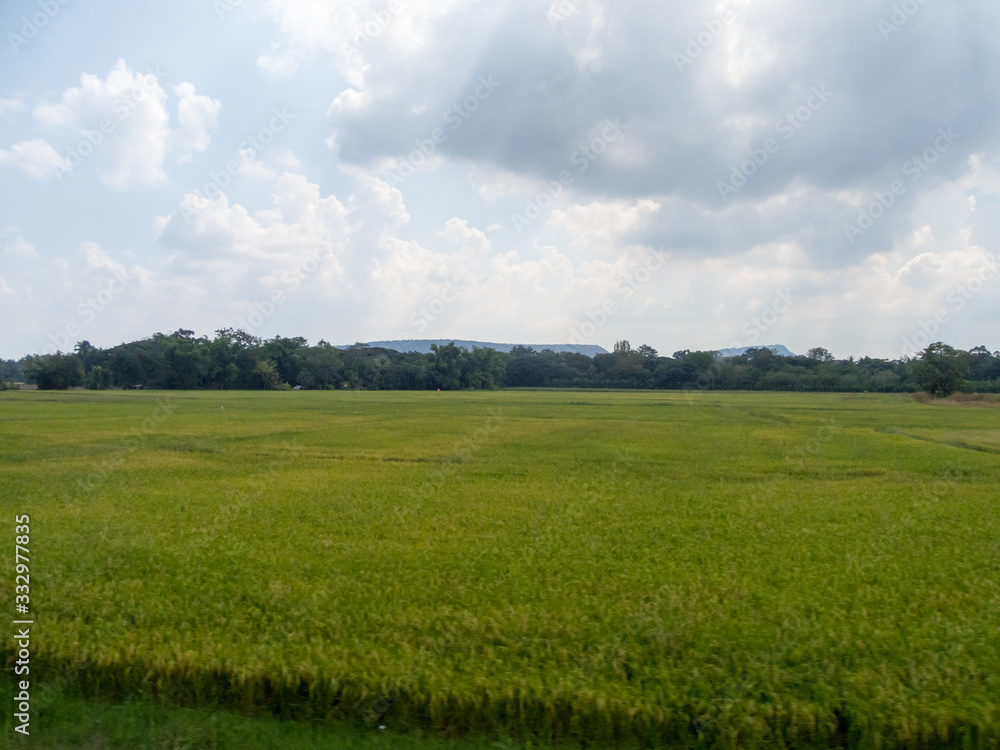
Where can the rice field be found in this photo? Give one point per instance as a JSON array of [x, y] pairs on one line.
[[605, 568]]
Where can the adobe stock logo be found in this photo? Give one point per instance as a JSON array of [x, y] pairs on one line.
[[455, 116], [87, 311], [372, 28], [122, 108], [248, 149], [598, 317], [787, 127], [901, 14], [915, 168], [31, 27], [760, 324], [700, 42], [563, 11], [957, 298], [582, 158]]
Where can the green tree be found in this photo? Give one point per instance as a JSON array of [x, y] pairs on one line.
[[286, 355], [623, 347], [321, 367], [447, 363], [819, 354], [186, 360], [234, 355], [86, 351], [99, 379], [483, 369], [266, 375], [941, 369], [54, 372]]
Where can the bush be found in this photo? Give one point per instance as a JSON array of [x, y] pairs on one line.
[[99, 379], [54, 372]]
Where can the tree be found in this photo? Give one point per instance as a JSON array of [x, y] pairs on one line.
[[649, 352], [233, 359], [85, 351], [447, 363], [54, 372], [186, 360], [702, 361], [623, 347], [286, 355], [321, 367], [266, 375], [484, 369], [940, 369], [10, 371], [983, 365], [526, 368], [99, 379], [819, 354], [763, 359]]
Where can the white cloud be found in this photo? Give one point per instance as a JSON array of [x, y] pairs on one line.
[[35, 158], [354, 32], [375, 279], [11, 106], [397, 77], [471, 240], [284, 158], [19, 249], [254, 168], [493, 182], [98, 259], [281, 62], [602, 227], [124, 118], [197, 115]]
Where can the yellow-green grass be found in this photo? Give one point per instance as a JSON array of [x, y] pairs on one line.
[[695, 569]]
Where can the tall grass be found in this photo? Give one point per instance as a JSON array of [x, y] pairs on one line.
[[726, 570]]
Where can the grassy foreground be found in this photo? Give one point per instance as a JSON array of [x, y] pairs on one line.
[[731, 570]]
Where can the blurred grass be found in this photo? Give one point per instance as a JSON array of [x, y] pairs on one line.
[[705, 569], [75, 723]]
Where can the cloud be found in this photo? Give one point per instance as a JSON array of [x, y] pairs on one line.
[[472, 241], [283, 158], [19, 249], [602, 226], [58, 301], [700, 97], [373, 278], [254, 168], [350, 31], [124, 117], [11, 106], [35, 158], [197, 115], [781, 98]]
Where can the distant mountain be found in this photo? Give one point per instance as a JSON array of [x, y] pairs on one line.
[[423, 346], [778, 349]]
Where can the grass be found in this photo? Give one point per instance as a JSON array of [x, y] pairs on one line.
[[75, 723], [731, 570]]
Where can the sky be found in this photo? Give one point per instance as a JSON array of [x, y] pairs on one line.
[[687, 175]]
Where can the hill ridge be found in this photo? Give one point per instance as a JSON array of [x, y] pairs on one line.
[[423, 346]]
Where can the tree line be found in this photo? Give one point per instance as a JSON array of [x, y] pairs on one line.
[[237, 360]]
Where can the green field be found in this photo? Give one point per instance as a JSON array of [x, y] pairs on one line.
[[652, 569]]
